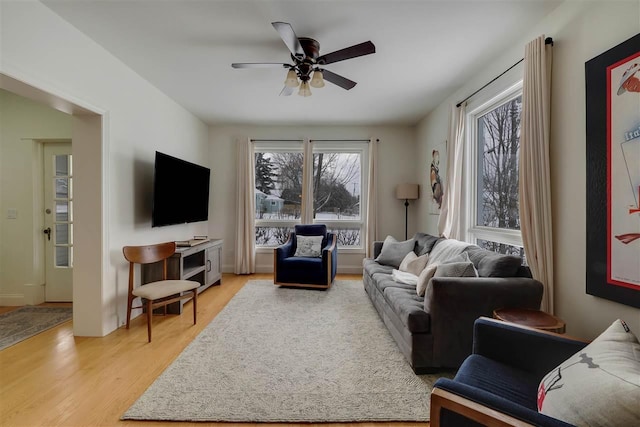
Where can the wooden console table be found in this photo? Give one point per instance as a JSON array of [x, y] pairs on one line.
[[201, 263], [532, 318]]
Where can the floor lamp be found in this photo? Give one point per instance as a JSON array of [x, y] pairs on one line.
[[407, 192]]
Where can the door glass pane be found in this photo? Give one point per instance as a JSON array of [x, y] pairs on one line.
[[62, 188], [62, 163], [63, 256], [62, 211], [336, 186], [63, 234]]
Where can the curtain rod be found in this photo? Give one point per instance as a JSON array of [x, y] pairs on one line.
[[276, 140], [548, 40], [339, 140]]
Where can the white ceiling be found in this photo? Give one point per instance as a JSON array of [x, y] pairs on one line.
[[425, 50]]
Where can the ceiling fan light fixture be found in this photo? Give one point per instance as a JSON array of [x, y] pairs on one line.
[[292, 79], [304, 89], [317, 80]]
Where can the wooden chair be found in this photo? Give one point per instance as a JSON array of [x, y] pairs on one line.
[[160, 293]]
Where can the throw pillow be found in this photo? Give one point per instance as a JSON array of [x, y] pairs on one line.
[[423, 279], [492, 264], [393, 252], [308, 246], [456, 269], [599, 385], [413, 263], [430, 270]]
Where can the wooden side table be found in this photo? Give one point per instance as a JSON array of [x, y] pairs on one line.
[[532, 318]]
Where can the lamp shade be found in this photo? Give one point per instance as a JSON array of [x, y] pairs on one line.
[[292, 79], [407, 191], [316, 80]]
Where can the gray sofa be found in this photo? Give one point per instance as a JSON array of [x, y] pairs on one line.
[[435, 332]]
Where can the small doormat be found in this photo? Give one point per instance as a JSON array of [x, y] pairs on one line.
[[25, 322]]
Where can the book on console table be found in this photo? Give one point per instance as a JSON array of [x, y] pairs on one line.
[[193, 242]]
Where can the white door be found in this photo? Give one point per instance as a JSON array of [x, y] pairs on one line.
[[58, 221]]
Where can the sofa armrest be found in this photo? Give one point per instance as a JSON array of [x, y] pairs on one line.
[[377, 248], [530, 349], [454, 303], [481, 406]]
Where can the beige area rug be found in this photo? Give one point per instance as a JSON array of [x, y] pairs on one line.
[[290, 355], [25, 322]]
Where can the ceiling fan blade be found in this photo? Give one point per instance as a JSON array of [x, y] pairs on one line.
[[354, 51], [260, 65], [289, 38], [338, 80], [287, 91]]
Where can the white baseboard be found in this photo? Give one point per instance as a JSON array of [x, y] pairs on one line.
[[11, 300], [33, 294]]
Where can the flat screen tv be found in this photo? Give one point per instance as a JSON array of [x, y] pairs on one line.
[[180, 191]]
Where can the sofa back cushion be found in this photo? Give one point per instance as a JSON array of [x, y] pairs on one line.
[[424, 243], [393, 252], [492, 264]]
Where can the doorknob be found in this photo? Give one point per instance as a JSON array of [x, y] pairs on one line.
[[47, 231]]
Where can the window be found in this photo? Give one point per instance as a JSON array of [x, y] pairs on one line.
[[336, 195], [493, 147]]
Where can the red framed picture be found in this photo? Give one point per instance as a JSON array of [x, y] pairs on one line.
[[613, 173]]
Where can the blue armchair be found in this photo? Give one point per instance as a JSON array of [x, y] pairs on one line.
[[306, 271], [497, 384]]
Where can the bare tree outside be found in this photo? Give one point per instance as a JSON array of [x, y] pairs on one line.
[[336, 192], [498, 149]]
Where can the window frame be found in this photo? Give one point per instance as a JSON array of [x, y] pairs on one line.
[[334, 146], [473, 231]]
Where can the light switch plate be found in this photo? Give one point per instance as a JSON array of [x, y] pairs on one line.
[[12, 213]]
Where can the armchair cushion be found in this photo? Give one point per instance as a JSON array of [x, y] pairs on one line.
[[599, 385]]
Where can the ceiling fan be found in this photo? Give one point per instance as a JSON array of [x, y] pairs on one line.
[[305, 53]]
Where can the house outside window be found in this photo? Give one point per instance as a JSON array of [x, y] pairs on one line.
[[336, 196], [493, 145]]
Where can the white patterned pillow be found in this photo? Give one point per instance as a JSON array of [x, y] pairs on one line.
[[413, 263], [599, 385], [308, 246]]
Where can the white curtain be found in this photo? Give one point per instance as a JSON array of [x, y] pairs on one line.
[[371, 224], [245, 262], [306, 216], [535, 188], [450, 222]]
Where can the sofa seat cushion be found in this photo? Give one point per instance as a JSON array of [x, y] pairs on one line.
[[384, 281], [513, 384], [371, 267], [409, 308]]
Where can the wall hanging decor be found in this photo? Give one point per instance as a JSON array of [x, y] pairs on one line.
[[613, 173]]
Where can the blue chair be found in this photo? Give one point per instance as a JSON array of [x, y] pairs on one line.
[[497, 385], [304, 271]]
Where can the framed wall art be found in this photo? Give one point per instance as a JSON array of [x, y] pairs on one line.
[[613, 173]]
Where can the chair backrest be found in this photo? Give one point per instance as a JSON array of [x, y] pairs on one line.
[[312, 230], [150, 253]]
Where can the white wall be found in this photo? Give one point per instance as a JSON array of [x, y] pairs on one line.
[[580, 30], [134, 120], [396, 165], [22, 124]]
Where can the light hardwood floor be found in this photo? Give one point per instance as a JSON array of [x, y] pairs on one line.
[[56, 379]]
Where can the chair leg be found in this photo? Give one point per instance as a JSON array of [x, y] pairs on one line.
[[195, 305], [129, 304], [149, 317]]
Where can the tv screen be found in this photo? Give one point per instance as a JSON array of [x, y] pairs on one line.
[[180, 191]]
